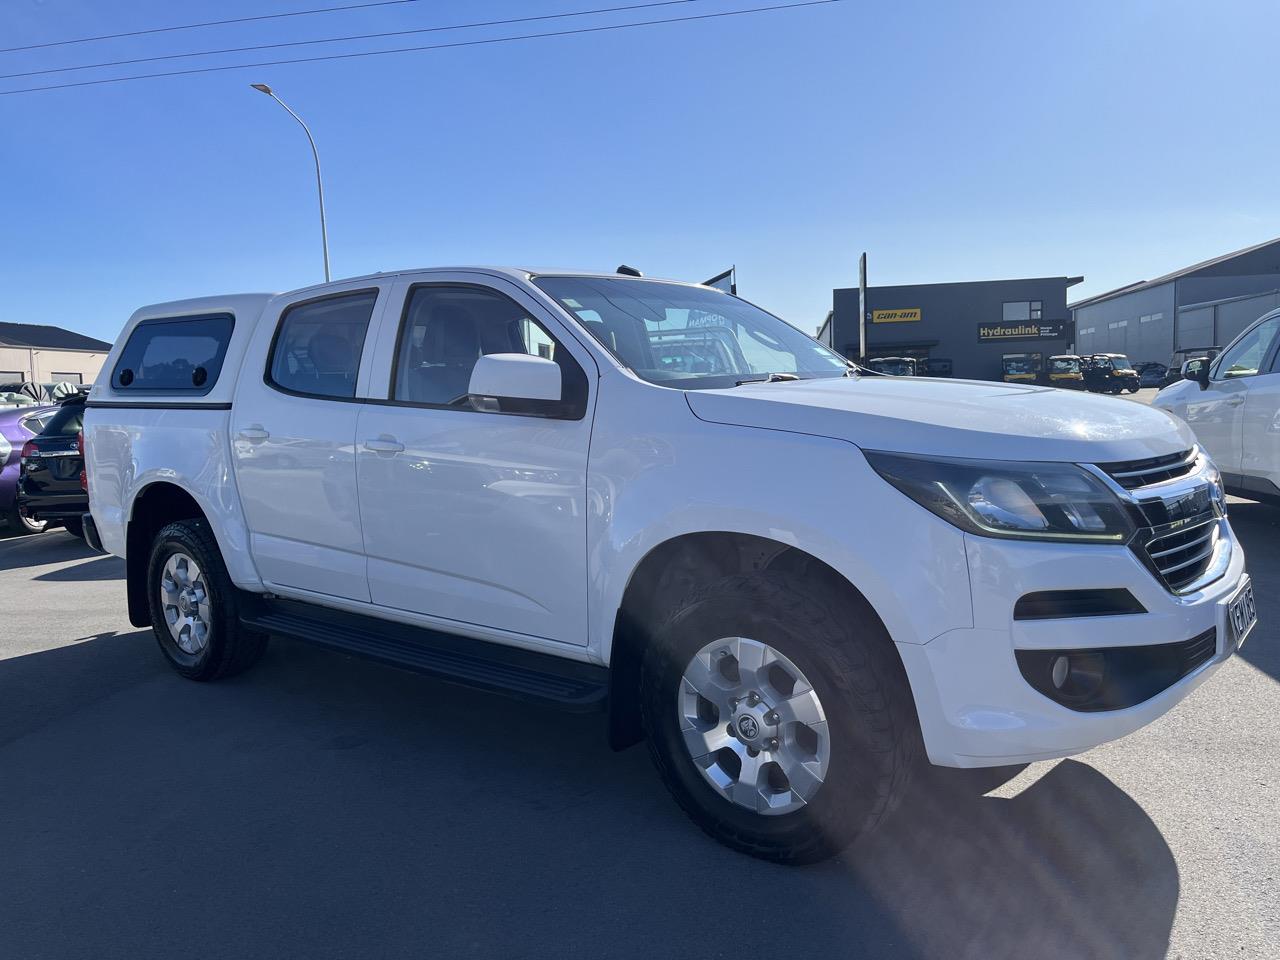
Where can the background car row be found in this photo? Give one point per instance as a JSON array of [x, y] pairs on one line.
[[42, 477]]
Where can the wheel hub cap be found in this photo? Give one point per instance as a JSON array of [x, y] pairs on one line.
[[184, 600], [753, 725]]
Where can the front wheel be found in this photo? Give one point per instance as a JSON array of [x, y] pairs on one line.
[[194, 607], [75, 526], [779, 717]]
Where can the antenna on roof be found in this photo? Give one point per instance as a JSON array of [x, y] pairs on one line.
[[629, 271]]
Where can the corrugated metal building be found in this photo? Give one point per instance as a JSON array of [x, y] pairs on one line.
[[1202, 305]]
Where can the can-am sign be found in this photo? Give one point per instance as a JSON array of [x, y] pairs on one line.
[[909, 315], [1023, 330]]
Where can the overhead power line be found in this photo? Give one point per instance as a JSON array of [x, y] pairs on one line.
[[207, 23], [357, 36], [434, 46]]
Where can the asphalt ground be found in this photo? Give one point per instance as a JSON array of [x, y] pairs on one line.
[[322, 806]]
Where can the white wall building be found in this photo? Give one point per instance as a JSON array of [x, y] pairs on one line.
[[31, 351]]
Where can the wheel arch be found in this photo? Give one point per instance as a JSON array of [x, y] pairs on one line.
[[670, 571], [156, 505]]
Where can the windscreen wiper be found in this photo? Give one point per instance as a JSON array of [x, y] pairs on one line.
[[770, 378]]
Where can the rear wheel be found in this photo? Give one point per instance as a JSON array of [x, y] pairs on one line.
[[20, 526], [194, 606], [780, 721]]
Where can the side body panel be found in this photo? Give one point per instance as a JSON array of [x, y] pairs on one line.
[[127, 450], [658, 472], [134, 439]]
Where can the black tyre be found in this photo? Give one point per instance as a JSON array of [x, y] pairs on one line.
[[779, 716], [20, 526], [194, 605], [75, 527]]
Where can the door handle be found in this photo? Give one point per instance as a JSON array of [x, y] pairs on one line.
[[1235, 401], [254, 434], [384, 445]]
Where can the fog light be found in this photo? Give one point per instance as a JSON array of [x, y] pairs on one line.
[[1078, 676]]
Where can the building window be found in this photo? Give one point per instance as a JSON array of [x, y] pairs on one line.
[[1016, 311], [67, 378]]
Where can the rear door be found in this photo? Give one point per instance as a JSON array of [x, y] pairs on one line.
[[475, 517], [293, 430]]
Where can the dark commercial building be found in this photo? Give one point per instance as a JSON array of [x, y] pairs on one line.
[[973, 325], [1203, 305]]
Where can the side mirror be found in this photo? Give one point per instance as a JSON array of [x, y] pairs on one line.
[[1197, 370], [516, 383]]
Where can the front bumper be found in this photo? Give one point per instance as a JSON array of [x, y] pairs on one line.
[[975, 706]]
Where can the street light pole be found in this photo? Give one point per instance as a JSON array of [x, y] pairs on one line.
[[324, 233]]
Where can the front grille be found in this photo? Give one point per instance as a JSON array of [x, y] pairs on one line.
[[1182, 556], [1132, 474]]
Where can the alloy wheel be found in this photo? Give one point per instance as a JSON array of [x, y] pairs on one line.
[[184, 599], [753, 725]]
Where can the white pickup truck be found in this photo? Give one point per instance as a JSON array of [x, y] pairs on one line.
[[794, 579]]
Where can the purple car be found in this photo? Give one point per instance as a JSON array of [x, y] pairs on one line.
[[17, 426]]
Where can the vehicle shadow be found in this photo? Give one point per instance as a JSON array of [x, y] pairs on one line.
[[1258, 527], [54, 546], [322, 806], [102, 568]]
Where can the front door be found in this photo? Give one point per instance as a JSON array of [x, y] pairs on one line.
[[475, 517], [293, 433], [1217, 414]]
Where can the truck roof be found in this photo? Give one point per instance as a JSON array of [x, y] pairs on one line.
[[247, 309]]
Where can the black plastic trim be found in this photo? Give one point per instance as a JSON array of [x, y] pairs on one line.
[[90, 528], [1065, 604], [1122, 676], [154, 405], [498, 668]]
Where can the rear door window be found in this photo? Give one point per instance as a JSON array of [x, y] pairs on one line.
[[178, 355], [318, 346]]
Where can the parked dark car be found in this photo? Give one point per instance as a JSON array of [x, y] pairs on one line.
[[1151, 373], [936, 367], [1181, 356], [893, 366], [1110, 373], [51, 485], [17, 426]]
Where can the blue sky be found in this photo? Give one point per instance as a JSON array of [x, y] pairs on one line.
[[953, 141]]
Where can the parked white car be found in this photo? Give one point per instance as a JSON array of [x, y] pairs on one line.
[[1233, 405], [788, 578]]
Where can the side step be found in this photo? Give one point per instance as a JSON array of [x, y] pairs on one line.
[[524, 674]]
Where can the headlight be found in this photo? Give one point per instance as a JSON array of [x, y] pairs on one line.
[[1024, 501]]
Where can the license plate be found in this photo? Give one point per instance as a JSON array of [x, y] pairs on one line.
[[1242, 614]]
